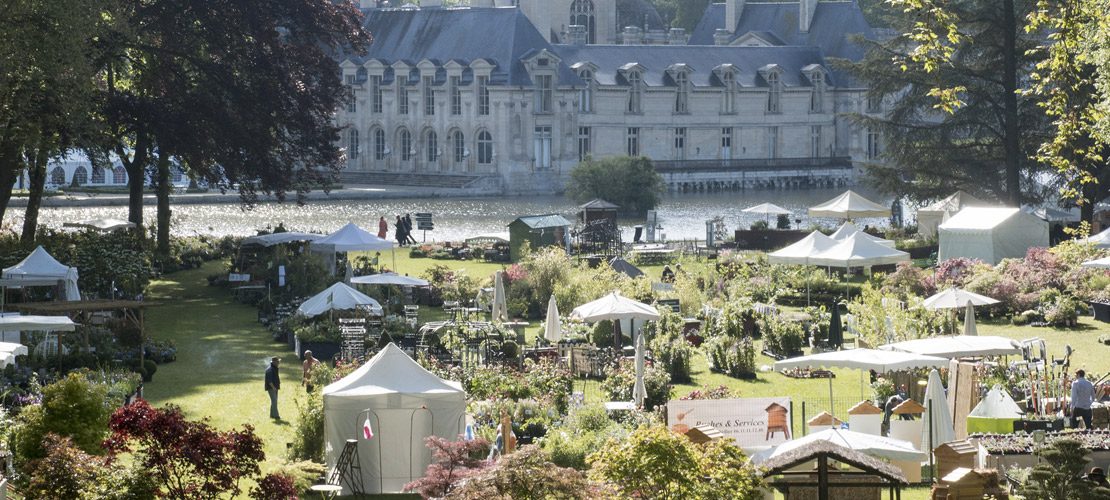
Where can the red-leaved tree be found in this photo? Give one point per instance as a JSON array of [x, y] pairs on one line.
[[190, 460], [453, 461]]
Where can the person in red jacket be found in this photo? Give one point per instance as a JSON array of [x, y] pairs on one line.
[[383, 228]]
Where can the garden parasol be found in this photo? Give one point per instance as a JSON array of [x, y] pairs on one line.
[[639, 390], [553, 328], [767, 209], [955, 298], [969, 320], [937, 428], [613, 306], [500, 310], [836, 328]]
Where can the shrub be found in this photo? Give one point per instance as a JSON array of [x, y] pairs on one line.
[[583, 432], [719, 392], [731, 356], [72, 407], [630, 182], [759, 225], [63, 472], [526, 474], [782, 221], [907, 280], [304, 474], [452, 462], [621, 379], [1055, 477], [308, 435], [669, 347], [782, 336], [275, 487]]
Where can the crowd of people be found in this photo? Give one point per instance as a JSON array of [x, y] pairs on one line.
[[402, 229]]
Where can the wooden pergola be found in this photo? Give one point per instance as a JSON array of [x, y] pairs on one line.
[[82, 311], [866, 473]]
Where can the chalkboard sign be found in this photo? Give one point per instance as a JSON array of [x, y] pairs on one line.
[[671, 303]]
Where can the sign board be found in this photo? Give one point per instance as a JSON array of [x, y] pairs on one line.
[[750, 422], [422, 216], [238, 278], [424, 221], [426, 226]]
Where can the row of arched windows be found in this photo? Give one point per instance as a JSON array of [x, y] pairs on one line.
[[99, 176], [426, 148]]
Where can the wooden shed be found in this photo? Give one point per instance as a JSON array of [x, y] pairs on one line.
[[778, 419], [953, 455], [538, 231]]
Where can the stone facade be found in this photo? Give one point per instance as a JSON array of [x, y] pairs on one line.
[[439, 94]]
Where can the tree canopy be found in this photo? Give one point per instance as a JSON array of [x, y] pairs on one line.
[[629, 182]]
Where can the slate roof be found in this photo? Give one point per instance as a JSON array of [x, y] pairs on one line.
[[543, 221], [500, 35], [700, 59], [831, 29]]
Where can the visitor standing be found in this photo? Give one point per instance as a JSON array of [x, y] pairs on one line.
[[399, 231], [408, 229], [273, 384], [1082, 395], [383, 228], [306, 370]]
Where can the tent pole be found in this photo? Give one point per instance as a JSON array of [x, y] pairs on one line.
[[831, 409]]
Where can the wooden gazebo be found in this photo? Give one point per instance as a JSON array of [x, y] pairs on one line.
[[823, 470]]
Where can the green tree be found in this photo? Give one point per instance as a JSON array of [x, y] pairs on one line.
[[657, 463], [1058, 476], [630, 182], [983, 144], [72, 407]]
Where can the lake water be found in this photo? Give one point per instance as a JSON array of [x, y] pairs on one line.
[[682, 216]]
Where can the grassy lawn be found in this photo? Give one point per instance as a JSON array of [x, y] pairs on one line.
[[223, 351]]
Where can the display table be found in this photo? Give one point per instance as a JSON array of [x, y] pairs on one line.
[[326, 491]]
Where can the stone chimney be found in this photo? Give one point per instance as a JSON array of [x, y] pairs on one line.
[[576, 34], [733, 10], [676, 36], [721, 37], [806, 8], [632, 35]]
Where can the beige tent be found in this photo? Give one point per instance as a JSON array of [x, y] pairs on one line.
[[991, 234], [929, 217]]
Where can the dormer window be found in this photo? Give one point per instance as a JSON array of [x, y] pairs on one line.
[[817, 93], [586, 95], [544, 95], [483, 95], [635, 92], [728, 92], [774, 93], [682, 93]]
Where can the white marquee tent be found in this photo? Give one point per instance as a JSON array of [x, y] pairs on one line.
[[858, 251], [848, 229], [339, 296], [404, 404], [958, 346], [1100, 240], [269, 240], [848, 206], [991, 234], [801, 251], [929, 217], [41, 269]]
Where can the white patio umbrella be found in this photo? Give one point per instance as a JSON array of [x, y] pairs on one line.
[[767, 210], [616, 307], [8, 352], [639, 390], [959, 346], [553, 327], [1103, 263], [955, 298], [937, 427], [500, 310], [876, 446], [862, 359], [969, 320], [1100, 240], [339, 296], [393, 279], [848, 206], [36, 324]]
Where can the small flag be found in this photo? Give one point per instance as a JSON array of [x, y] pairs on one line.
[[367, 432], [469, 432]]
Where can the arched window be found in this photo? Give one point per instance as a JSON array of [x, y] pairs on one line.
[[774, 92], [81, 176], [379, 144], [352, 143], [635, 91], [58, 176], [430, 146], [97, 175], [582, 14], [404, 141], [586, 95], [682, 92], [485, 148], [119, 175], [458, 146]]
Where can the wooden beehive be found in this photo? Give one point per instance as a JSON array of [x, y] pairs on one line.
[[909, 407], [954, 455], [703, 434], [865, 407], [972, 484], [777, 420]]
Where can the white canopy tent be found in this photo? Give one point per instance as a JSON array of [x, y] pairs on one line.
[[1100, 240], [862, 359], [339, 296], [404, 404], [41, 269], [848, 229], [105, 224], [931, 216], [991, 234], [802, 251], [858, 251], [350, 238], [959, 346], [13, 323], [269, 240], [488, 239], [869, 444], [1103, 263], [849, 205]]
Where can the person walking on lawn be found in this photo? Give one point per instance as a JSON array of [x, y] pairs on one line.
[[1082, 395], [272, 387]]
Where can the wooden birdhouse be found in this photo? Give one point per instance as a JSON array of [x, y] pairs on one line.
[[967, 484], [778, 419], [865, 417]]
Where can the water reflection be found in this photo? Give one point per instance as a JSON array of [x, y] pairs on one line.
[[681, 215]]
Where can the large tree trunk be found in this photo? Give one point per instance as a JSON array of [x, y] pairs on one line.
[[37, 173], [162, 180], [1014, 158], [136, 180], [10, 167]]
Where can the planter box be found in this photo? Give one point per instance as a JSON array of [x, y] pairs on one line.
[[322, 351], [1101, 311], [922, 252], [769, 239]]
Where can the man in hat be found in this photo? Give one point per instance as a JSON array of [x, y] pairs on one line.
[[1082, 395], [273, 384], [1098, 477]]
